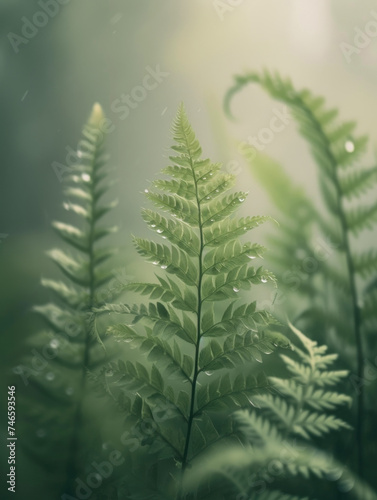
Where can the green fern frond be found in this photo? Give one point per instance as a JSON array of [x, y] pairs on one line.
[[366, 263], [337, 150], [288, 197], [270, 447], [361, 217], [181, 331], [355, 183], [83, 263]]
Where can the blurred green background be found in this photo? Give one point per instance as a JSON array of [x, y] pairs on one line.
[[92, 50]]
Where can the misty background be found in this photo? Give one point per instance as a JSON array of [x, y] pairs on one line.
[[98, 51]]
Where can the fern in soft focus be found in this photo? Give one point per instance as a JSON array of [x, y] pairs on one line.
[[195, 333], [69, 346], [341, 291], [278, 437], [292, 240]]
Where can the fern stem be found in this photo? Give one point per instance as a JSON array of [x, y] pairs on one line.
[[357, 331], [353, 290], [197, 346], [72, 469]]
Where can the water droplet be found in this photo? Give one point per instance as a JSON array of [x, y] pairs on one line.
[[146, 190], [251, 256], [109, 373], [209, 373], [41, 433], [50, 376], [241, 199], [164, 266], [153, 225], [69, 391], [349, 146], [160, 231], [54, 344], [85, 177], [155, 263], [235, 289], [346, 485], [263, 279]]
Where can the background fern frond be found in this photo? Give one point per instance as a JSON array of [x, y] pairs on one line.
[[333, 278], [83, 262]]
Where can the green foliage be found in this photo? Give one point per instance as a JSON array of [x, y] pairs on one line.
[[336, 150], [69, 347], [317, 255], [278, 436], [196, 334], [202, 417]]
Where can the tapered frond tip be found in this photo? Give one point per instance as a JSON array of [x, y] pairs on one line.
[[97, 115]]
